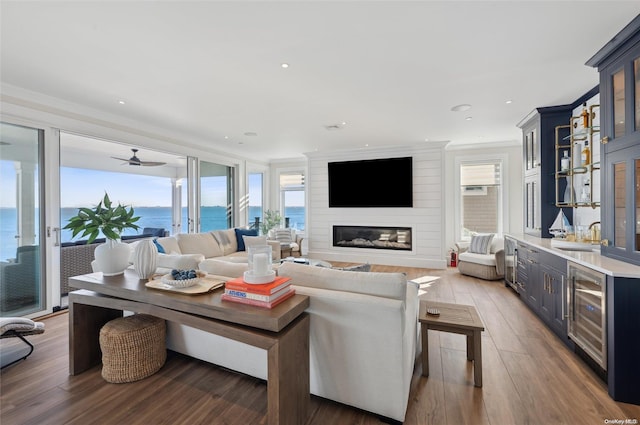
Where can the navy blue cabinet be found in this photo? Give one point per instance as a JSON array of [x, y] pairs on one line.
[[618, 63], [553, 295], [538, 141]]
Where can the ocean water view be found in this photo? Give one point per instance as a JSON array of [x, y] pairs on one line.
[[212, 218]]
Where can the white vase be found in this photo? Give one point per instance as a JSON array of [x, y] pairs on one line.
[[112, 257], [145, 257]]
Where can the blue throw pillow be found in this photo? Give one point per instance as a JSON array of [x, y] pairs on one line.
[[160, 248], [244, 232]]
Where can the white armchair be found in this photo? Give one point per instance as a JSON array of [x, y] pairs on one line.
[[488, 266], [290, 241]]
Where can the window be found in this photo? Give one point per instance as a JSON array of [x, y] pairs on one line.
[[480, 198], [255, 198], [293, 199]]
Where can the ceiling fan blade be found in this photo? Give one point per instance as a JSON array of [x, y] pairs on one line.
[[151, 163], [121, 159]]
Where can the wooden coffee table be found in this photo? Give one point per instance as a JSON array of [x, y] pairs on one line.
[[455, 318]]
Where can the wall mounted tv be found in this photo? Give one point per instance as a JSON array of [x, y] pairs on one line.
[[371, 183]]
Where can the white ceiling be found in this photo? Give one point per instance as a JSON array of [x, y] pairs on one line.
[[392, 70]]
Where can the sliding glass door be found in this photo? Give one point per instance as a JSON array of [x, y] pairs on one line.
[[22, 289], [216, 196]]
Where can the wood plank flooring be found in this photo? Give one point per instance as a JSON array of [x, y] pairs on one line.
[[529, 377]]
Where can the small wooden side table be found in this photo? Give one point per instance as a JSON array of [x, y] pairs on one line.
[[455, 318]]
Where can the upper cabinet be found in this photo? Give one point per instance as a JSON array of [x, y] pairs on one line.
[[619, 65], [538, 143]]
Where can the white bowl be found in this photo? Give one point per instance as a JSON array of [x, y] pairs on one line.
[[249, 277], [167, 279]]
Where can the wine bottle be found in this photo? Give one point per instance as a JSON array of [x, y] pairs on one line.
[[585, 116], [585, 157], [565, 162]]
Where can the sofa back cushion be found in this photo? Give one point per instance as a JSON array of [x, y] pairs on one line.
[[227, 240], [199, 243], [387, 285], [170, 245]]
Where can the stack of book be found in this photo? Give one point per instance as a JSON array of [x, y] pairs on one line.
[[267, 295]]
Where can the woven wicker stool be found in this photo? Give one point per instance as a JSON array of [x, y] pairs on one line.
[[133, 348]]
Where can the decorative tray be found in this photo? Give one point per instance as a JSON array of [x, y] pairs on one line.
[[204, 284]]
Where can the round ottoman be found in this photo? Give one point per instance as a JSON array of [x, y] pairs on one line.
[[133, 347]]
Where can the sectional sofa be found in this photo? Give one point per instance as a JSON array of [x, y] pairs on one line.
[[189, 250]]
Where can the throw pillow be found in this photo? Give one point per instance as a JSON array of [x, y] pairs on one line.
[[250, 241], [480, 244], [244, 232], [283, 236], [160, 248]]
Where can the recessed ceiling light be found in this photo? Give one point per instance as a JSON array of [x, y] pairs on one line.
[[122, 102], [462, 107], [285, 65], [508, 102], [468, 118], [426, 140], [226, 137], [250, 134], [344, 123]]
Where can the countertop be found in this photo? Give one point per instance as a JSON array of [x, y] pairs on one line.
[[591, 259]]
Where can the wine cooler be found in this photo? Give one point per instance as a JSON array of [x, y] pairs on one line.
[[587, 312]]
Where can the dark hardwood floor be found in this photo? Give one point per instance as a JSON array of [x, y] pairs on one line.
[[529, 377]]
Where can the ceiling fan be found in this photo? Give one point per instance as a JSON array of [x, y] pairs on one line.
[[134, 160]]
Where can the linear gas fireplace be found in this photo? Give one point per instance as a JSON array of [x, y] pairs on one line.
[[378, 237]]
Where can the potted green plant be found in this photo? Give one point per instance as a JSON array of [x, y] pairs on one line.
[[112, 257], [272, 218]]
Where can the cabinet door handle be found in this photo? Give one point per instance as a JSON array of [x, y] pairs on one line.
[[562, 299], [604, 140], [604, 242]]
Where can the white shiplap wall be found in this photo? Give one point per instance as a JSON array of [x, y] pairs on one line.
[[426, 218]]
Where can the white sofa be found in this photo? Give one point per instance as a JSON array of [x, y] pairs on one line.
[[364, 336], [192, 250]]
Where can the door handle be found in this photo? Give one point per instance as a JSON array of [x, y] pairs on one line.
[[562, 300], [56, 230]]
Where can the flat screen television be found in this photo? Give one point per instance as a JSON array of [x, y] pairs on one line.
[[371, 183]]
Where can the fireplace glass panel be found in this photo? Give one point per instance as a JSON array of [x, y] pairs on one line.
[[376, 237]]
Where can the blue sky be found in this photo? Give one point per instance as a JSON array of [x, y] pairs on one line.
[[81, 187]]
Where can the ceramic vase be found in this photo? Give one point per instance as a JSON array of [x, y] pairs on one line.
[[145, 259], [112, 257]]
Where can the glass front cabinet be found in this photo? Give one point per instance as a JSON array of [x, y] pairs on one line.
[[619, 65]]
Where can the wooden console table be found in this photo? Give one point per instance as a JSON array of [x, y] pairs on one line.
[[282, 331], [455, 318]]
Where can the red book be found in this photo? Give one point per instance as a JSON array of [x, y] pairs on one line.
[[258, 297], [264, 304], [238, 284]]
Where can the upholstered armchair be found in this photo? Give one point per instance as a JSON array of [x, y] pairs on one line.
[[488, 264], [290, 241]]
